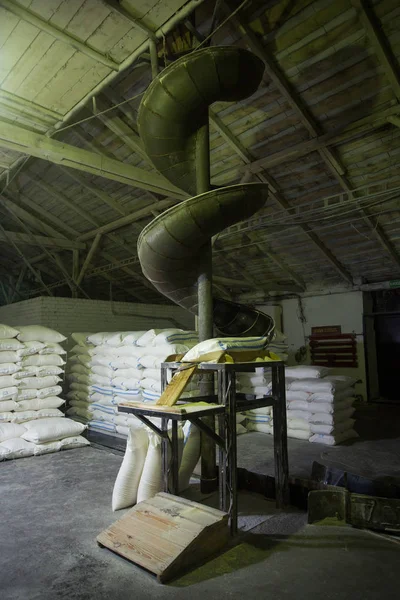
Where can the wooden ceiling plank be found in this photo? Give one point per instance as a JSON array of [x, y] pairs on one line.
[[28, 16], [380, 44]]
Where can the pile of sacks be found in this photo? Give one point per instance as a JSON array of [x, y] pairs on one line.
[[104, 369], [31, 366], [140, 474], [319, 405]]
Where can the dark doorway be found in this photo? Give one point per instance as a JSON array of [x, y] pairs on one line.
[[387, 331]]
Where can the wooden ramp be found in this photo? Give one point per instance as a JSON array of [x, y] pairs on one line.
[[167, 534]]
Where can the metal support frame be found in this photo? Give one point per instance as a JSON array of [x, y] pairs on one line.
[[205, 312], [228, 405]]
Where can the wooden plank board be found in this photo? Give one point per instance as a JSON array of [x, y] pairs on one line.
[[175, 388], [166, 534], [175, 409], [16, 45]]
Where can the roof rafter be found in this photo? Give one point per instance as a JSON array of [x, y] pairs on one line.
[[30, 17], [34, 144], [328, 156]]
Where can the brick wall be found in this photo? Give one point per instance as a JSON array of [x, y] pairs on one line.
[[68, 315]]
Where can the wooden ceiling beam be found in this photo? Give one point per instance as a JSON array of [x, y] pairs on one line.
[[138, 24], [92, 251], [41, 240], [328, 156], [30, 17], [379, 43], [125, 133], [34, 144], [247, 157], [106, 198]]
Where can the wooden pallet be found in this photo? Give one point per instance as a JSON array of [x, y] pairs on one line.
[[167, 534]]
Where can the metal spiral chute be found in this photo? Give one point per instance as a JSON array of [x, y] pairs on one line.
[[173, 247]]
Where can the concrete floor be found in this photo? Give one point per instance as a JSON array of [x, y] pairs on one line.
[[52, 508]]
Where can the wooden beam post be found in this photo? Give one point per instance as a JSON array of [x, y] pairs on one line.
[[88, 259]]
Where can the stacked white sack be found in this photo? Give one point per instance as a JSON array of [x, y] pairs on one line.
[[319, 407], [30, 374], [279, 345], [323, 402], [106, 369], [156, 345]]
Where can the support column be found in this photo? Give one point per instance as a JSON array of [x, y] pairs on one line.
[[205, 311]]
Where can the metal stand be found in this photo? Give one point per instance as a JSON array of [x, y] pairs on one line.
[[227, 404]]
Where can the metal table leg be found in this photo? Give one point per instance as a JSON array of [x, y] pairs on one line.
[[280, 437], [221, 450], [231, 450], [174, 459], [164, 454]]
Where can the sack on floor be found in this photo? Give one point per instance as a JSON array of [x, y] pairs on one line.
[[16, 448], [128, 478], [332, 440], [28, 333], [298, 434], [151, 478], [190, 454], [51, 429], [332, 429], [10, 430], [65, 444]]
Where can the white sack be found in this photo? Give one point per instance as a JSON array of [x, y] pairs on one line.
[[28, 333], [10, 430], [16, 448], [7, 381], [124, 338], [330, 440], [67, 443], [9, 393], [10, 344], [332, 419], [9, 368], [190, 454], [39, 382], [10, 356], [32, 347], [41, 360], [25, 394], [127, 483], [48, 430], [52, 348], [151, 479], [55, 390], [306, 372], [8, 332], [80, 337], [332, 429], [39, 403]]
